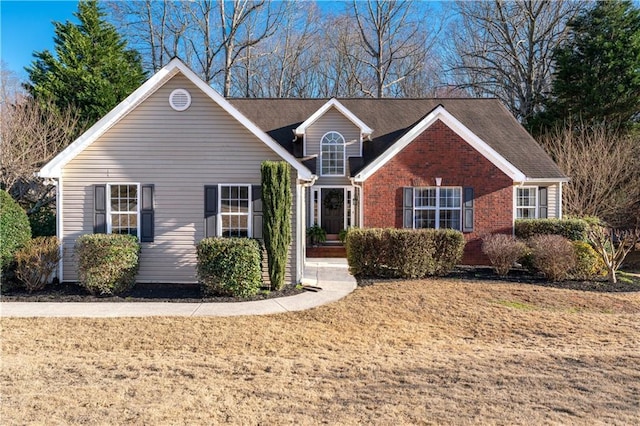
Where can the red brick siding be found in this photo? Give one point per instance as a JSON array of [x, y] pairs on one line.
[[439, 151]]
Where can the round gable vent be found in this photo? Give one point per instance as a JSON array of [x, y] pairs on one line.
[[180, 99]]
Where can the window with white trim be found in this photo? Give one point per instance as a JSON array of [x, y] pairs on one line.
[[124, 209], [235, 210], [437, 207], [526, 202], [332, 154]]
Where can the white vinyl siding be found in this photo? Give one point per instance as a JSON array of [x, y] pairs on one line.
[[552, 200], [333, 121], [179, 153]]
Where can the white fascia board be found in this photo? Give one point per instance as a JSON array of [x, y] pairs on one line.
[[53, 169], [440, 113], [543, 181], [333, 102]]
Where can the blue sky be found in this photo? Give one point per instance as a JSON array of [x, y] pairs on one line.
[[27, 26]]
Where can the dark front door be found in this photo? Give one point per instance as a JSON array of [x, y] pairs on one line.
[[332, 200]]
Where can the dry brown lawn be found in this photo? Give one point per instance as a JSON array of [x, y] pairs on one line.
[[418, 352]]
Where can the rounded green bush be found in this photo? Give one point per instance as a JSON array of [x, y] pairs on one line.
[[14, 228], [107, 263], [589, 263], [229, 266]]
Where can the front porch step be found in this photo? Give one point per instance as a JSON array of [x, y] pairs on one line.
[[327, 250]]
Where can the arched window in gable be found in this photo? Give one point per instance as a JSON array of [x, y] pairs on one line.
[[332, 154]]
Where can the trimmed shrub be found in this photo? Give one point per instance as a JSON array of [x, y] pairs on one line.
[[43, 222], [553, 255], [107, 263], [36, 262], [503, 251], [589, 263], [571, 229], [276, 211], [403, 253], [14, 229], [449, 248], [229, 266]]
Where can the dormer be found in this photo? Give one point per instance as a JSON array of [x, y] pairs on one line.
[[332, 134]]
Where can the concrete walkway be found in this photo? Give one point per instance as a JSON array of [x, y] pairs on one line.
[[331, 275]]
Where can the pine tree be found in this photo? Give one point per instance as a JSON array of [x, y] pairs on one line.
[[597, 77], [92, 69], [276, 211]]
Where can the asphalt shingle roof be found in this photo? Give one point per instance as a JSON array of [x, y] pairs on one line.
[[392, 118]]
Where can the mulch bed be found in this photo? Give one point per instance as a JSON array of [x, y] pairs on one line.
[[183, 293], [191, 293], [525, 277], [475, 273]]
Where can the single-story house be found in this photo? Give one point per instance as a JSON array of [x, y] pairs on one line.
[[176, 162]]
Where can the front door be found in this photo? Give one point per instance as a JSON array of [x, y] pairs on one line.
[[332, 205]]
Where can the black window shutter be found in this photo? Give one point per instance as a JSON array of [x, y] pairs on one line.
[[256, 205], [147, 216], [100, 209], [210, 210], [543, 203], [467, 210], [407, 207]]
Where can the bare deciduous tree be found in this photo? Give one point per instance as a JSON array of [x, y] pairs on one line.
[[211, 36], [504, 49], [156, 29], [30, 137], [283, 66], [604, 169], [613, 246], [395, 44]]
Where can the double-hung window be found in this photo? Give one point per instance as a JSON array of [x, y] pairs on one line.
[[437, 207], [235, 210], [332, 154], [124, 209], [526, 202]]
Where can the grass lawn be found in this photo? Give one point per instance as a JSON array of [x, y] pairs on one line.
[[418, 352]]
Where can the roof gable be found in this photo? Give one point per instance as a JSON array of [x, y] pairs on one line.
[[392, 118], [333, 103], [54, 168], [440, 113]]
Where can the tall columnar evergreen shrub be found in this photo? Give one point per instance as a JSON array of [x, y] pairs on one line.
[[276, 211], [14, 228]]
